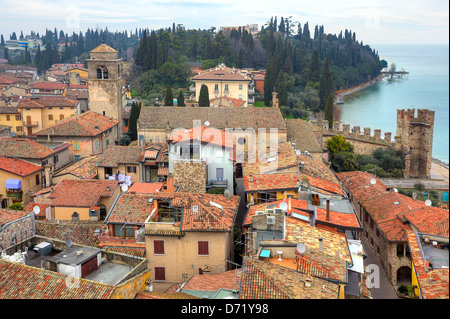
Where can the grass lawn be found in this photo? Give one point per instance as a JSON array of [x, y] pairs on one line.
[[259, 104]]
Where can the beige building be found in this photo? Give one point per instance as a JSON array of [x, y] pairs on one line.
[[83, 199], [120, 161], [88, 134], [18, 180], [39, 113], [188, 234], [223, 81]]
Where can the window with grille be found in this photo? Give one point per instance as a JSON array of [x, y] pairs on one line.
[[160, 273]]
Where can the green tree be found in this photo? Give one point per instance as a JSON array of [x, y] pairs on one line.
[[132, 122], [338, 144], [203, 99], [168, 99], [314, 67], [328, 113], [325, 87], [180, 99]]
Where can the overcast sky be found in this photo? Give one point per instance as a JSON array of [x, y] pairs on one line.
[[374, 21]]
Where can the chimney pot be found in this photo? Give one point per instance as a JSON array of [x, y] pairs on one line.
[[328, 210]]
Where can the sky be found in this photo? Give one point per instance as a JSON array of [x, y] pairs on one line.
[[373, 21]]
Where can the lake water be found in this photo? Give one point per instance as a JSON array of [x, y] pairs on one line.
[[425, 87]]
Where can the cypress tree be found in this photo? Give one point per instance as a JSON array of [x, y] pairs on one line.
[[37, 59], [180, 99], [168, 99], [132, 123], [328, 113], [325, 87], [314, 68], [2, 41], [203, 99]]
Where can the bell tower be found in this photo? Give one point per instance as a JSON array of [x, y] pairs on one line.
[[105, 86]]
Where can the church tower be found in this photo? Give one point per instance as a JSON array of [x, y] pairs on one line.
[[105, 86]]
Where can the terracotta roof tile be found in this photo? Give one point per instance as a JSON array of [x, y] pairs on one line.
[[49, 86], [114, 155], [131, 208], [83, 169], [23, 148], [9, 215], [202, 134], [18, 167], [221, 74], [24, 282], [103, 48], [146, 188], [300, 132], [85, 124], [81, 193], [225, 280], [42, 102]]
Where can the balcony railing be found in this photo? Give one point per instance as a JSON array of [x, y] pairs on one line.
[[217, 183], [31, 123], [119, 241], [14, 193]]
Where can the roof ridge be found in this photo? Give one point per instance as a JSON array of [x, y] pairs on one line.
[[211, 213]]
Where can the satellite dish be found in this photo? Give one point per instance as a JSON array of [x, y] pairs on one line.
[[301, 248], [428, 202], [69, 243], [124, 188], [373, 181], [283, 206], [207, 123], [36, 210]]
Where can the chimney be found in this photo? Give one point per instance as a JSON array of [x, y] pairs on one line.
[[170, 184], [48, 176], [312, 217], [328, 210]]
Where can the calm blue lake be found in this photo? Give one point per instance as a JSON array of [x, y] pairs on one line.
[[426, 86]]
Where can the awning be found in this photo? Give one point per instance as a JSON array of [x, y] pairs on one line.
[[13, 184], [164, 171]]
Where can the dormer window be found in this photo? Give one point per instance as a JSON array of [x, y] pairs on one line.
[[102, 72]]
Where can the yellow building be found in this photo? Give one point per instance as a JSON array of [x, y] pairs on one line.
[[189, 233], [223, 81], [18, 180], [120, 161], [81, 72], [76, 199], [11, 116], [39, 113]]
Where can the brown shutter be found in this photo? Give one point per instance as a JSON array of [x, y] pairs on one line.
[[158, 247], [160, 273], [203, 248]]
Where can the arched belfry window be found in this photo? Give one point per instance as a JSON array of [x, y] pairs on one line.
[[102, 72]]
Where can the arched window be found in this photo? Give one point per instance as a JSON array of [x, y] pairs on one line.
[[102, 72]]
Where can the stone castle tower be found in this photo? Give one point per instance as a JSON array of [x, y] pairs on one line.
[[105, 87], [416, 133]]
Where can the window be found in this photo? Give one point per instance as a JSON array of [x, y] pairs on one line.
[[160, 273], [121, 231], [37, 179], [8, 117], [219, 174], [55, 159], [240, 86], [131, 169], [18, 118], [102, 72], [158, 247], [226, 87], [240, 96], [61, 116], [50, 117], [371, 223], [44, 162], [216, 87], [76, 146], [203, 248], [96, 144], [18, 128]]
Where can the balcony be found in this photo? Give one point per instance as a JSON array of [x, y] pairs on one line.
[[119, 241], [31, 123], [217, 183], [14, 193]]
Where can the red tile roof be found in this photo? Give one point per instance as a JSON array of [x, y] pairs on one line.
[[145, 188], [433, 284], [103, 48], [42, 206], [391, 210], [18, 167], [43, 102], [24, 148], [81, 193], [131, 208], [9, 215], [300, 207], [24, 282], [225, 280], [49, 86], [203, 134], [5, 81], [279, 181], [221, 74], [114, 155], [85, 124], [233, 102]]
